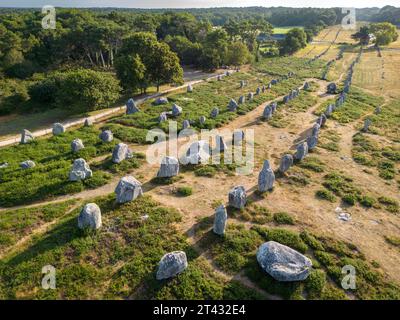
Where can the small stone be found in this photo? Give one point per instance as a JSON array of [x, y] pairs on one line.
[[237, 197], [169, 167], [176, 110], [171, 265], [367, 123], [90, 217], [214, 112], [120, 153], [77, 145], [220, 220], [131, 107], [88, 122], [232, 106], [189, 88], [80, 170], [163, 117], [160, 101], [302, 151], [26, 136], [286, 163], [28, 164], [266, 178], [332, 88], [58, 129], [186, 124], [202, 120], [106, 136], [283, 263], [128, 189], [242, 100]]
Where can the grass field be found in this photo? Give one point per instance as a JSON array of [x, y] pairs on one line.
[[284, 30]]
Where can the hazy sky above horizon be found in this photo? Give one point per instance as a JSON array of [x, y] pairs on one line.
[[198, 3]]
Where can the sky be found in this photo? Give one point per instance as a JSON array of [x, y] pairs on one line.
[[198, 3]]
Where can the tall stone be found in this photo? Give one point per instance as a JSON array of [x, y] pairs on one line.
[[250, 96], [120, 153], [128, 189], [162, 117], [232, 106], [367, 123], [329, 110], [312, 142], [237, 197], [220, 219], [186, 124], [266, 178], [286, 163], [220, 143], [214, 112], [242, 100], [302, 151], [237, 137], [267, 114], [26, 136], [90, 217], [202, 120], [169, 167]]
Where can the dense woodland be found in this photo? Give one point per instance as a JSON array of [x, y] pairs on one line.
[[105, 52]]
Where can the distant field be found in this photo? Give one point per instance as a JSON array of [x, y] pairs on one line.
[[284, 30]]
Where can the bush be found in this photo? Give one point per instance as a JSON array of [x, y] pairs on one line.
[[367, 201], [350, 199], [283, 218], [205, 171], [184, 191], [326, 195]]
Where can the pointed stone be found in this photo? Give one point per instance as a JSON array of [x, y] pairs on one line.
[[302, 151], [220, 219], [131, 107], [266, 178]]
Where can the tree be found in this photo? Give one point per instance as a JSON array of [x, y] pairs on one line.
[[187, 51], [130, 71], [295, 40], [362, 34], [238, 54], [215, 49], [384, 33]]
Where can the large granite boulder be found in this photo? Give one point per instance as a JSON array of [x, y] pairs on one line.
[[77, 145], [286, 163], [220, 143], [28, 164], [80, 170], [160, 101], [106, 136], [131, 107], [176, 110], [214, 112], [121, 152], [58, 129], [90, 217], [220, 220], [26, 136], [171, 264], [128, 189], [169, 167], [237, 197], [301, 151], [266, 178], [232, 105], [198, 152], [283, 263]]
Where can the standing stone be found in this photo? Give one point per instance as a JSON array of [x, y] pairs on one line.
[[266, 178], [378, 110], [315, 130], [237, 197], [27, 164], [77, 145], [88, 122], [329, 110], [160, 101], [169, 168], [242, 100], [26, 136], [232, 106], [214, 112], [90, 217], [322, 120], [220, 220], [80, 170], [237, 137], [302, 150], [189, 88], [128, 189], [312, 142], [267, 114], [242, 83], [332, 88], [367, 123], [286, 99], [220, 143], [176, 110], [270, 86], [250, 96], [162, 117], [198, 152], [228, 73], [131, 107], [258, 91], [171, 265], [202, 120], [306, 86], [286, 163], [106, 136], [219, 78], [263, 88], [274, 82], [274, 106], [186, 124], [58, 129], [120, 153], [283, 263]]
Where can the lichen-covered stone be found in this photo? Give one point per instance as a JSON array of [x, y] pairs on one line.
[[302, 151], [266, 178], [283, 263], [171, 264], [58, 129], [220, 219], [120, 153], [80, 170], [90, 217], [77, 145], [286, 163], [106, 136], [128, 189], [237, 197]]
